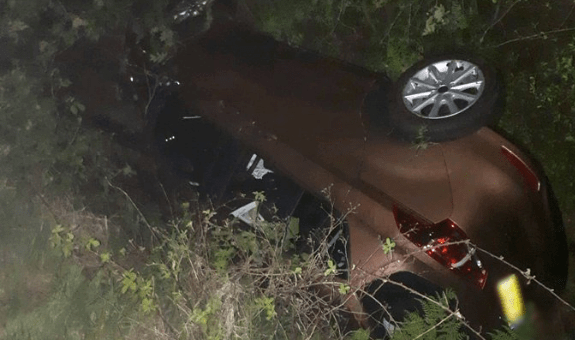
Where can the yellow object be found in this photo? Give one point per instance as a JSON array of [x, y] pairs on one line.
[[511, 300]]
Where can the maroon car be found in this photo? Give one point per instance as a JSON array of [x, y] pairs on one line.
[[414, 161]]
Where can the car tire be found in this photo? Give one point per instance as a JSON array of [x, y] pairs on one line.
[[444, 98]]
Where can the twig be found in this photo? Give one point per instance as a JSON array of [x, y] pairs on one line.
[[151, 92], [495, 22], [167, 200], [45, 202], [528, 276], [540, 35], [341, 10], [135, 206], [387, 34], [434, 327], [568, 15], [524, 273]]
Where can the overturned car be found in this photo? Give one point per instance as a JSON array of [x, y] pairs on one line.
[[414, 161]]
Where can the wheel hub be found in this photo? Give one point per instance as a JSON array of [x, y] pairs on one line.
[[443, 89]]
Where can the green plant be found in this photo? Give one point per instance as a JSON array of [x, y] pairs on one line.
[[62, 240], [331, 268], [388, 246], [421, 141], [267, 305], [359, 334]]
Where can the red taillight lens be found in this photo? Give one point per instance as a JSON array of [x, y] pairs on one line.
[[528, 174], [456, 254]]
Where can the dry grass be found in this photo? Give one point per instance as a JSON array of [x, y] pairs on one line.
[[196, 281]]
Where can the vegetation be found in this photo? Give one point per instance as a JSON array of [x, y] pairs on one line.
[[81, 258], [200, 280]]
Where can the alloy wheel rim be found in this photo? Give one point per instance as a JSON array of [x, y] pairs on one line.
[[443, 89]]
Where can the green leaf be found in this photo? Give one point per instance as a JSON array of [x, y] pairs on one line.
[[17, 26], [293, 228], [105, 257], [68, 244], [128, 171], [331, 268], [164, 271], [57, 229], [129, 281], [167, 36], [78, 22], [388, 246], [268, 305], [208, 214], [343, 288], [145, 289], [359, 334], [92, 244], [148, 305], [63, 82], [259, 196], [159, 58]]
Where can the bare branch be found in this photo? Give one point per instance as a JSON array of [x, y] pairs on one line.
[[540, 35], [495, 22], [527, 274]]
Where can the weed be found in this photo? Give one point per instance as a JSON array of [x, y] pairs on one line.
[[388, 246], [421, 141]]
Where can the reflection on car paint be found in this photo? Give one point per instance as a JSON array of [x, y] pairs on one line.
[[528, 174]]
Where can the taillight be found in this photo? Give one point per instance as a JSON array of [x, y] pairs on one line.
[[528, 174], [445, 242]]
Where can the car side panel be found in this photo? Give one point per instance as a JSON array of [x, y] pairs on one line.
[[499, 211], [414, 176]]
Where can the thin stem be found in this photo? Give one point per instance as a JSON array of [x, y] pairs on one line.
[[495, 22], [434, 327], [528, 276], [540, 35]]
